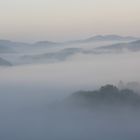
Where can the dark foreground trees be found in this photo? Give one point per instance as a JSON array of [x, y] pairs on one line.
[[106, 96]]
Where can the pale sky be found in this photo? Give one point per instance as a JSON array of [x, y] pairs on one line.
[[59, 20]]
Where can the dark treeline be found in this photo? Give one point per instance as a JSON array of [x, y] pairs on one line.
[[106, 96]]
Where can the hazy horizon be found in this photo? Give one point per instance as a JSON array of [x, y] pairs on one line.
[[40, 81], [68, 40], [32, 20]]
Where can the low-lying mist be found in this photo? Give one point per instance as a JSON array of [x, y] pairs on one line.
[[28, 90]]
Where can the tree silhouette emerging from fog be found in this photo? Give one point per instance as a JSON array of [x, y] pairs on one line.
[[107, 95]]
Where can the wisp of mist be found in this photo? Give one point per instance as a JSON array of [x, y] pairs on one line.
[[28, 90]]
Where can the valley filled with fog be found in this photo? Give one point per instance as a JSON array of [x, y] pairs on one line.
[[35, 76]]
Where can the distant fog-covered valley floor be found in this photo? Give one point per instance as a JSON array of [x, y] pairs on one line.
[[75, 90]]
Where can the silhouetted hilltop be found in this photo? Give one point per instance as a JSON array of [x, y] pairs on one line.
[[106, 96], [110, 37], [100, 38]]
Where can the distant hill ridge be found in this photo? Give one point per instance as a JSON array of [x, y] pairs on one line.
[[105, 38], [90, 39], [131, 46]]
